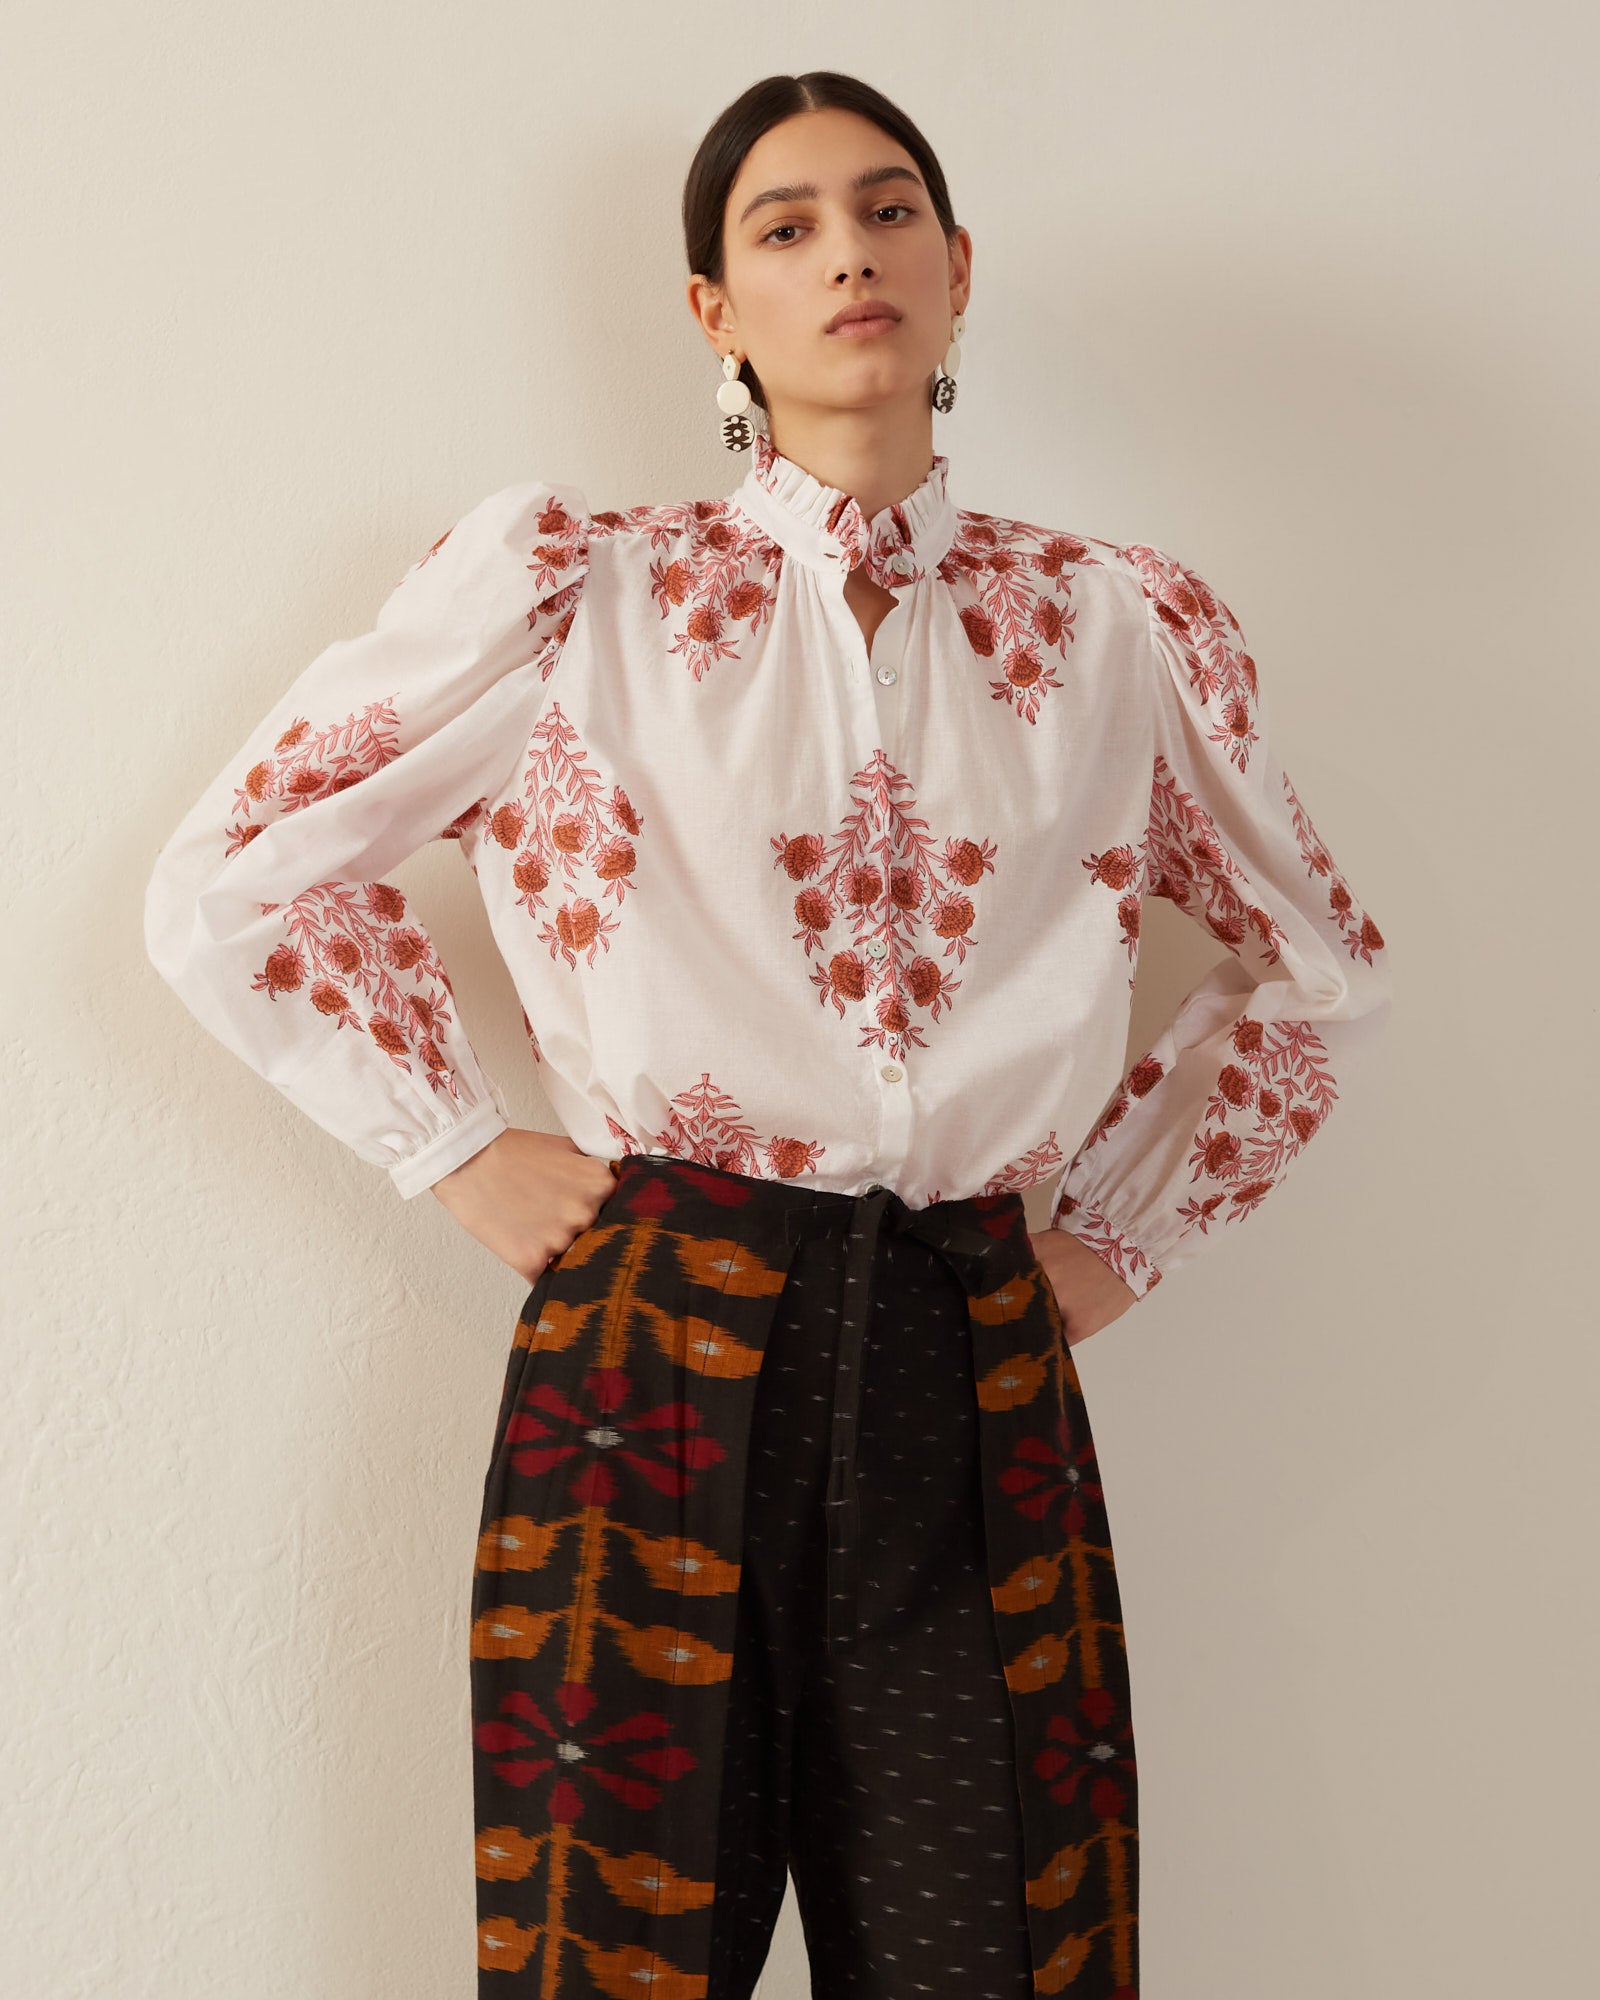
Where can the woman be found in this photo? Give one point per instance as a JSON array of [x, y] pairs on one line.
[[813, 822]]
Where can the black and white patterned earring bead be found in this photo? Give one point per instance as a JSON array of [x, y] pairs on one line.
[[733, 399], [944, 388]]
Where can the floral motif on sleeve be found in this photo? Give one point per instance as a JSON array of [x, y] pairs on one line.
[[1037, 1164], [1190, 867], [1361, 934], [1013, 582], [350, 938], [344, 942], [307, 764], [347, 949], [1219, 668], [1110, 1244], [1280, 1088]]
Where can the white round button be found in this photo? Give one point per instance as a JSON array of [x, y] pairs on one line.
[[876, 947], [903, 562], [888, 676], [891, 1073]]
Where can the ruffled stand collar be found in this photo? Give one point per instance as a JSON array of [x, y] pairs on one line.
[[825, 527]]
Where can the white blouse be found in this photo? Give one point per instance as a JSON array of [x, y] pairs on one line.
[[775, 903]]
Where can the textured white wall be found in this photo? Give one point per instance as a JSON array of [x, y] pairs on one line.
[[1301, 295]]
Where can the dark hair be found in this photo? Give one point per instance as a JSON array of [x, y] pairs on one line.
[[721, 153]]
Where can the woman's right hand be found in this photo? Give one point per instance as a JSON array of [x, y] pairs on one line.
[[526, 1196]]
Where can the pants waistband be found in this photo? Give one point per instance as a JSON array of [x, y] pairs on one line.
[[982, 1237]]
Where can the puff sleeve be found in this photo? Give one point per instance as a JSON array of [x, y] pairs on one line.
[[1207, 1122], [266, 912]]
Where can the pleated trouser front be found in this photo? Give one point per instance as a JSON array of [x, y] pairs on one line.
[[794, 1559]]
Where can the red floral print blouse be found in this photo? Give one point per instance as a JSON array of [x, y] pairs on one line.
[[773, 902]]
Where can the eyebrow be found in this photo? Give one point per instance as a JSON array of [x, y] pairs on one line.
[[809, 191]]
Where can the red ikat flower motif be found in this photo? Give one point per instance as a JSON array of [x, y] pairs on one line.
[[1016, 604], [1190, 867], [567, 824], [1050, 1479], [706, 1127], [884, 876], [1090, 1750], [1213, 646], [1278, 1096], [1360, 932], [527, 1744], [664, 1446]]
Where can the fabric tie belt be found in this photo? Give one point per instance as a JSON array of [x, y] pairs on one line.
[[979, 1261]]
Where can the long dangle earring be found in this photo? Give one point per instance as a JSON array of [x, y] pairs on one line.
[[733, 400], [944, 387]]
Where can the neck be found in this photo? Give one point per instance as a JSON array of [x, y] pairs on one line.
[[877, 455]]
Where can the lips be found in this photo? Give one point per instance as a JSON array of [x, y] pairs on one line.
[[869, 314]]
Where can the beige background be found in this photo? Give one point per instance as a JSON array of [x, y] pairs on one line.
[[1305, 296]]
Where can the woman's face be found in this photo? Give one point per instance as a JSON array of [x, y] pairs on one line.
[[801, 239]]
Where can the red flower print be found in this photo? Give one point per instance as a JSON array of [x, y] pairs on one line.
[[813, 910], [802, 856], [707, 1129], [661, 1446], [565, 824], [885, 875], [1047, 1473], [1094, 1751], [979, 630], [285, 971], [525, 1744], [1219, 1154], [1191, 868], [1016, 580], [965, 861], [1116, 868], [847, 975], [506, 823], [406, 947], [1234, 1086], [1361, 933], [1211, 643]]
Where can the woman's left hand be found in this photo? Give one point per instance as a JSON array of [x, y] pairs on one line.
[[1088, 1291]]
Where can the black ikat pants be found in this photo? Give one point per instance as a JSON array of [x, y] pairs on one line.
[[883, 1776], [794, 1560]]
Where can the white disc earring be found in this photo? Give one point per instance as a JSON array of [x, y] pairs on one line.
[[733, 400], [944, 387]]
